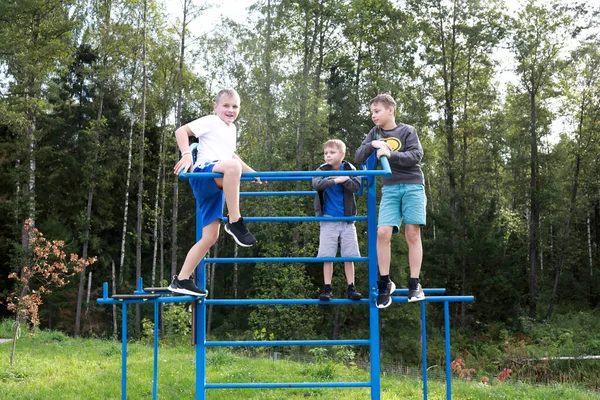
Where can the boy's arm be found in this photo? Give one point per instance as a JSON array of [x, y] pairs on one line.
[[185, 163], [320, 183], [353, 182], [366, 148]]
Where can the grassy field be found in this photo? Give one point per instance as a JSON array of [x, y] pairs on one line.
[[51, 365]]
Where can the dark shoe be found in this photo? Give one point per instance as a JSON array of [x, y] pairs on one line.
[[186, 286], [326, 294], [352, 293], [385, 291], [240, 233], [415, 292]]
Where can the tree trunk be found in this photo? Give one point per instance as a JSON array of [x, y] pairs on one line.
[[88, 216], [126, 203], [140, 200], [114, 307], [158, 212], [534, 212]]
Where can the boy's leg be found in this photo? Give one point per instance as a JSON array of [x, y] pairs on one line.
[[415, 249], [384, 254], [384, 251], [327, 293], [230, 183], [349, 269], [349, 248], [415, 258], [182, 283], [327, 273], [210, 234]]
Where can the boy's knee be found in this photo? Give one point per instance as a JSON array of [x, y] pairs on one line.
[[384, 234], [413, 235]]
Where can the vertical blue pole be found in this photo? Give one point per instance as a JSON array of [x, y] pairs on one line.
[[155, 377], [447, 333], [124, 352], [424, 348], [200, 310], [373, 270]]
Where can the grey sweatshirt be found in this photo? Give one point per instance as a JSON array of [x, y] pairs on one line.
[[405, 156]]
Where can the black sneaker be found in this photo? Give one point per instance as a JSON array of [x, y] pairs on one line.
[[186, 286], [326, 294], [385, 291], [415, 292], [353, 293], [240, 233]]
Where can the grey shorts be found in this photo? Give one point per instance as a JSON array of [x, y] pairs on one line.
[[334, 232]]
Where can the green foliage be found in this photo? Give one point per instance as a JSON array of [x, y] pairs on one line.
[[178, 322]]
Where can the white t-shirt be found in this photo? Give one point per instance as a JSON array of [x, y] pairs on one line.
[[216, 140]]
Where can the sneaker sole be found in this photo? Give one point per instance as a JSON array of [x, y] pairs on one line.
[[415, 299], [386, 305], [236, 239], [188, 292]]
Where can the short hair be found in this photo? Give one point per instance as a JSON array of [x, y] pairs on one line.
[[341, 146], [226, 92], [386, 99]]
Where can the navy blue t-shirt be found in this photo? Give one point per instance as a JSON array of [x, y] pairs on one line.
[[334, 200]]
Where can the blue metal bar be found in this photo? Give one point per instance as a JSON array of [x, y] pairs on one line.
[[437, 299], [174, 299], [124, 352], [217, 260], [286, 385], [424, 348], [261, 194], [155, 372], [200, 313], [300, 219], [447, 335], [255, 302], [373, 273], [186, 299], [276, 343], [240, 260], [269, 175]]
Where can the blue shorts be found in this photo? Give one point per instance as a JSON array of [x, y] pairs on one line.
[[209, 197], [404, 201]]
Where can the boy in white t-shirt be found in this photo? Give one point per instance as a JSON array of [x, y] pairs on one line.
[[216, 153]]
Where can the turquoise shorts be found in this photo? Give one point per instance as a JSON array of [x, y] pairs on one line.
[[402, 202]]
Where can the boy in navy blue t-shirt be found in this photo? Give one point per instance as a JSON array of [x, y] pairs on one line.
[[335, 198]]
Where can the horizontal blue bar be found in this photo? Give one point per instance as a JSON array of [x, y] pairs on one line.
[[163, 299], [438, 299], [259, 194], [285, 259], [236, 302], [286, 385], [273, 343], [269, 175], [300, 219]]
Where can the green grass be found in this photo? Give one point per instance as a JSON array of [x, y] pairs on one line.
[[51, 365]]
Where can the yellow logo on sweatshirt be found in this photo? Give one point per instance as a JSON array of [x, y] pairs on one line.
[[393, 142]]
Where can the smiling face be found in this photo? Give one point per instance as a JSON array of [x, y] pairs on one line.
[[227, 107], [383, 116], [333, 156]]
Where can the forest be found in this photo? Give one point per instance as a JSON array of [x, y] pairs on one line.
[[505, 97]]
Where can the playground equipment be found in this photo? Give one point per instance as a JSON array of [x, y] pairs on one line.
[[157, 296]]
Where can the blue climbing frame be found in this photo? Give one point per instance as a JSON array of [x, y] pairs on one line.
[[369, 173]]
